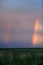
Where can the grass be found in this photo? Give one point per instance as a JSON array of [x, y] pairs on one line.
[[21, 56]]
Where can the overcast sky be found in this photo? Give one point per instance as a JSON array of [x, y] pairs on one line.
[[17, 19]]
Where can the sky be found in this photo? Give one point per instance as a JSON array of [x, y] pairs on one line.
[[17, 19]]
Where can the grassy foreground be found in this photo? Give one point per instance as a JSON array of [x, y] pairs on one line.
[[21, 56]]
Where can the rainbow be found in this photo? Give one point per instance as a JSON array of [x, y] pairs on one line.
[[37, 38]]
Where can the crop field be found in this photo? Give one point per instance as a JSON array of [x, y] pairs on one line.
[[21, 56]]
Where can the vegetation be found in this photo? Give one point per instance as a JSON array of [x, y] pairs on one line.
[[22, 56]]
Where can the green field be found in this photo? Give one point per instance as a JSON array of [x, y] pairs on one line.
[[21, 56]]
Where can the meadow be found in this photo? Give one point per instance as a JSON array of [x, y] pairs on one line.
[[21, 56]]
